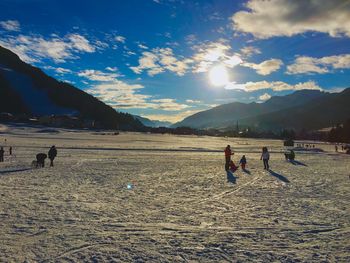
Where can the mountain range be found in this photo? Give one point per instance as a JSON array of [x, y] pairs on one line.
[[26, 90], [152, 123], [303, 109]]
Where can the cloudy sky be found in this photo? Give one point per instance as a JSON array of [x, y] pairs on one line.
[[167, 59]]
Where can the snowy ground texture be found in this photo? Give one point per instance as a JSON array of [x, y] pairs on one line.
[[180, 207]]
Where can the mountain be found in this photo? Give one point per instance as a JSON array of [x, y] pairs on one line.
[[228, 114], [309, 109], [322, 112], [25, 89], [152, 123]]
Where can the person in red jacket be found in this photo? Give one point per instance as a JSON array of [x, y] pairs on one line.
[[228, 154]]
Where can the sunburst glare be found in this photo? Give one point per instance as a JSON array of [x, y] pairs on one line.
[[218, 75]]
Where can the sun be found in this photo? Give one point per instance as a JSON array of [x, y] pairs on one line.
[[218, 75]]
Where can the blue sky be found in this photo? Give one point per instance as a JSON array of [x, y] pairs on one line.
[[154, 57]]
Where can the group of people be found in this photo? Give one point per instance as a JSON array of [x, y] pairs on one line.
[[303, 145], [343, 147], [230, 166], [40, 157], [2, 153]]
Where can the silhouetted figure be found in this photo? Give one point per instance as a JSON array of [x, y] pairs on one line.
[[243, 162], [228, 154], [40, 159], [2, 154], [290, 156], [336, 148], [10, 150], [52, 154], [265, 156]]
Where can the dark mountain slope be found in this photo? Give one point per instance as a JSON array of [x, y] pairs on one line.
[[26, 89], [321, 112], [226, 115]]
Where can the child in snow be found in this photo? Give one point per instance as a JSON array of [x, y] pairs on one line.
[[233, 167], [243, 162]]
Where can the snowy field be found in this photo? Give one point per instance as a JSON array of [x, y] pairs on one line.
[[180, 207]]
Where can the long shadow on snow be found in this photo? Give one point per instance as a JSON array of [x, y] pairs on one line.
[[14, 170], [279, 176], [297, 162], [246, 171], [230, 177]]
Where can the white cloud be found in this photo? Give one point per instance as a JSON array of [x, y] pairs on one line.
[[266, 67], [215, 16], [274, 85], [10, 25], [34, 48], [264, 97], [266, 19], [63, 70], [120, 94], [97, 75], [112, 69], [208, 54], [142, 46], [306, 64], [148, 62], [250, 50], [160, 59], [129, 53], [191, 39], [120, 39], [80, 43], [168, 105], [193, 101]]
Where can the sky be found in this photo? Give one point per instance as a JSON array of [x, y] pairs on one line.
[[168, 59]]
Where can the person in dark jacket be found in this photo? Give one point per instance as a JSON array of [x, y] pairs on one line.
[[1, 154], [265, 156], [40, 159], [290, 156], [52, 154]]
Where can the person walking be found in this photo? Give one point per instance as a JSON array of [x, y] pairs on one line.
[[52, 154], [10, 150], [1, 154], [265, 156], [228, 153]]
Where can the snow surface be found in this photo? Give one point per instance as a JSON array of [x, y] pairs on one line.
[[162, 198]]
